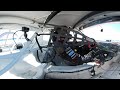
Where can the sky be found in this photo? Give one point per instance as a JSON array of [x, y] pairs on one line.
[[111, 31]]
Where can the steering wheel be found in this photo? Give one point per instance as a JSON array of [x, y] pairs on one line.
[[102, 55]]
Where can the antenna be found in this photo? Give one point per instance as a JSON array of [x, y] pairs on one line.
[[101, 28]]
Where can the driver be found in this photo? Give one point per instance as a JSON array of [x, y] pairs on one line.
[[65, 51]]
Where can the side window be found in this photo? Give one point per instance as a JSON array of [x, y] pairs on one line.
[[7, 42]]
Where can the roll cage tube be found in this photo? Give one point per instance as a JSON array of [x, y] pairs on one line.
[[84, 39], [51, 16]]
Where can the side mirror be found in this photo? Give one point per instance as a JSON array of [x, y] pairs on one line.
[[0, 50], [101, 30]]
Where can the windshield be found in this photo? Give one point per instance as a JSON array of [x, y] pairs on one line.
[[108, 32]]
